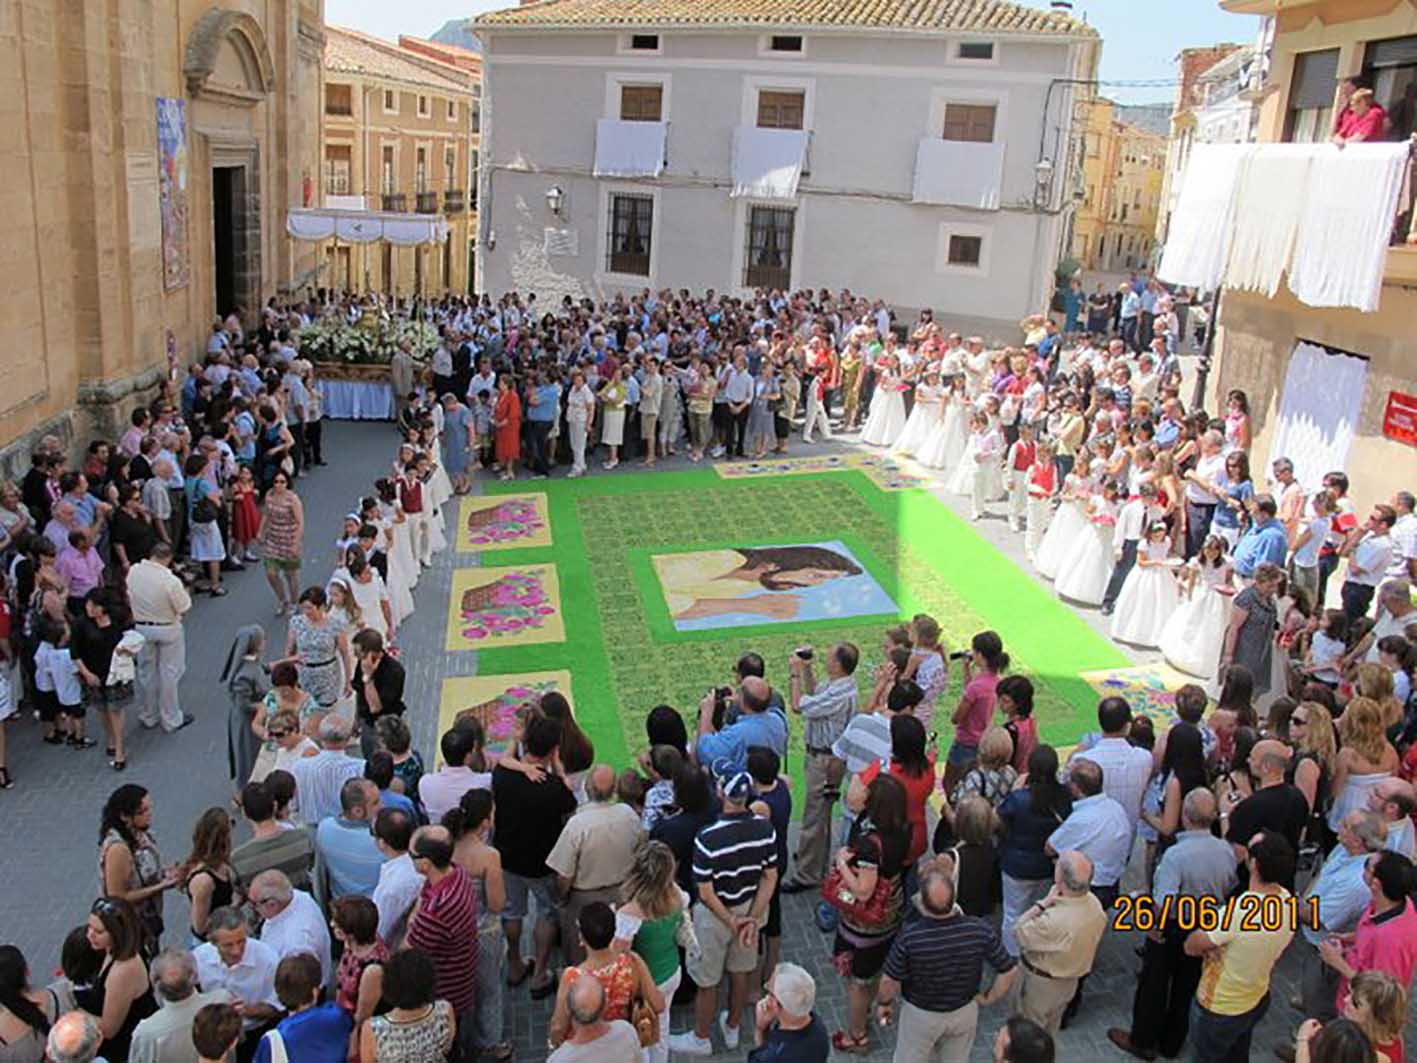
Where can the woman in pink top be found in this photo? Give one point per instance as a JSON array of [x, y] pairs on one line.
[[1386, 937], [976, 706]]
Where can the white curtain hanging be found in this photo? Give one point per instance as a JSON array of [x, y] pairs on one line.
[[1318, 411], [767, 163], [1270, 199], [1198, 236], [366, 227], [1343, 234], [629, 149], [959, 174]]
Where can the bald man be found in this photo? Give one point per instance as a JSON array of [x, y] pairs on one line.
[[590, 857], [1058, 939], [1394, 800], [1276, 805], [592, 1039], [756, 725]]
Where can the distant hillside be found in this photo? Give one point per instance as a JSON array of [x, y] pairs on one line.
[[1153, 117], [458, 32]]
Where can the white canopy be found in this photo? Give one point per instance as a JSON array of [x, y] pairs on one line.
[[959, 174], [629, 149], [767, 162], [366, 227]]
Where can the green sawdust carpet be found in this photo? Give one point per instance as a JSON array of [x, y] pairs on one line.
[[625, 654]]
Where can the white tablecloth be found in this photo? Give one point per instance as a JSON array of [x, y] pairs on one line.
[[357, 400]]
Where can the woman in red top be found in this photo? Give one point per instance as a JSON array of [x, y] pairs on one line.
[[915, 769], [359, 981], [1015, 699], [507, 426], [622, 975], [1361, 121]]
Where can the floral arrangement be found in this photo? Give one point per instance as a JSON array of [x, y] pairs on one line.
[[499, 715], [514, 603], [334, 340], [514, 519]]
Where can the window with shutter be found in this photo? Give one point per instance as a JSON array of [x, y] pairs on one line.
[[1311, 94], [972, 122], [339, 99], [641, 103], [781, 110], [965, 250], [631, 228], [767, 260]]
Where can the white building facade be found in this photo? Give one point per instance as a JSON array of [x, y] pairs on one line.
[[639, 146]]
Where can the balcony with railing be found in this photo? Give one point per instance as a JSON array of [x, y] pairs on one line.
[[453, 201], [394, 202], [426, 202]]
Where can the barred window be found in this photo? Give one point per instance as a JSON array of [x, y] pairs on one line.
[[627, 244], [768, 259]]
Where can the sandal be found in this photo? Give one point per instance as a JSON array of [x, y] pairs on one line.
[[541, 992], [500, 1052], [117, 765], [5, 781], [844, 1042]]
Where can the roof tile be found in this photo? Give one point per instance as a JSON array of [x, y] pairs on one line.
[[351, 52], [995, 16]]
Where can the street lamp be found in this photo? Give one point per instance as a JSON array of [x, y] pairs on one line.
[[555, 199], [1043, 176]]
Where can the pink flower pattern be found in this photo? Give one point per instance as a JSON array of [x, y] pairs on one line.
[[518, 601], [516, 518]]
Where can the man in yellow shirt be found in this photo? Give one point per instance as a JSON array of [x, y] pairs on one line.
[[1240, 954]]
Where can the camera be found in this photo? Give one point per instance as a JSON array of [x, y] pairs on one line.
[[722, 702], [804, 653], [961, 655]]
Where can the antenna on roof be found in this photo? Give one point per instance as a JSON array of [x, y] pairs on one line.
[[1062, 5]]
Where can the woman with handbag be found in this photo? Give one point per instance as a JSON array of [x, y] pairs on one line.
[[623, 975], [866, 885], [204, 501], [652, 920]]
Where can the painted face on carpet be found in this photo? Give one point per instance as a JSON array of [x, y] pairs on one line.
[[735, 587]]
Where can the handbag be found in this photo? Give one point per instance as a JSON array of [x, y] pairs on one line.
[[645, 1020], [872, 912], [204, 511]]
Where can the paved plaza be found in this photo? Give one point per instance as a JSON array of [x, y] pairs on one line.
[[50, 819]]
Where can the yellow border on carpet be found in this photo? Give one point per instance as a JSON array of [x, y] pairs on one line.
[[885, 471], [472, 504], [548, 626], [481, 692]]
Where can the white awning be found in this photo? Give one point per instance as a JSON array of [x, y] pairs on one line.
[[629, 149], [958, 173], [767, 163], [1199, 235], [366, 227]]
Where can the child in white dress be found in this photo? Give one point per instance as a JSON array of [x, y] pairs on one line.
[[887, 418], [1084, 574], [924, 417], [1192, 638], [1150, 594], [945, 444], [1069, 521]]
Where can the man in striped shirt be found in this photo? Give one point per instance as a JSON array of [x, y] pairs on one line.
[[936, 962], [444, 925], [735, 868]]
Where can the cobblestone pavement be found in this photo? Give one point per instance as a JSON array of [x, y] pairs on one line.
[[48, 823]]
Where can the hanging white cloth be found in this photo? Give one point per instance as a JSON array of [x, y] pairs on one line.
[[1346, 223], [359, 229], [958, 174], [1198, 235], [1318, 411], [409, 230], [1273, 185], [767, 163], [305, 226], [629, 149]]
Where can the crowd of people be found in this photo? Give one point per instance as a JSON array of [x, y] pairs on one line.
[[376, 909]]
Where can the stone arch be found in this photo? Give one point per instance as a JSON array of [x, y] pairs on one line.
[[227, 58]]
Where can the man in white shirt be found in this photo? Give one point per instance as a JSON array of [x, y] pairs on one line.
[[1126, 768], [1369, 551], [1404, 537], [293, 921], [1394, 800], [485, 379], [167, 1034], [440, 791], [1097, 827], [399, 881], [738, 393], [234, 961], [158, 602], [318, 779]]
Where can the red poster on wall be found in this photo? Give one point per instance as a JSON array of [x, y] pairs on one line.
[[1400, 418]]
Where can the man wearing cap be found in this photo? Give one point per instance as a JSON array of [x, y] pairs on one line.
[[735, 869]]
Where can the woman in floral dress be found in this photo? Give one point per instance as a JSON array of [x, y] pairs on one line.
[[282, 539], [319, 648]]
